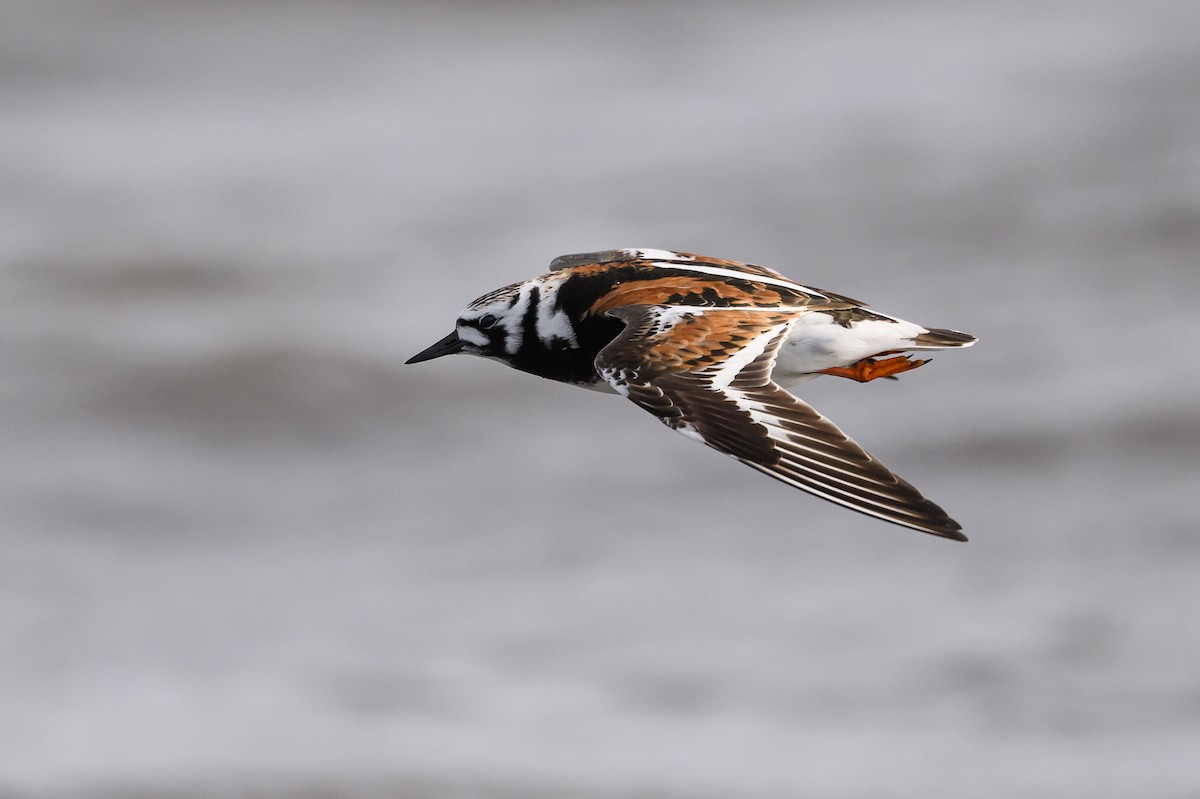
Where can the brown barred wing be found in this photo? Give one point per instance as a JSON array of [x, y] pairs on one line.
[[707, 374]]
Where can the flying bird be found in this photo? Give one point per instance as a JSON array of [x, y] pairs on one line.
[[707, 345]]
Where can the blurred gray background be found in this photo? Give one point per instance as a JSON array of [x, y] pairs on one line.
[[247, 552]]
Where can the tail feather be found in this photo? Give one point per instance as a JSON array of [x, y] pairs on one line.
[[939, 338]]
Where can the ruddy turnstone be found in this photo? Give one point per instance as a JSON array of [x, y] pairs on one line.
[[705, 345]]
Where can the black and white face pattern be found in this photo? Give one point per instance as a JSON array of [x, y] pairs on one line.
[[516, 320], [485, 329]]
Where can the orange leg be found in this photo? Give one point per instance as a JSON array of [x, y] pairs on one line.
[[869, 369]]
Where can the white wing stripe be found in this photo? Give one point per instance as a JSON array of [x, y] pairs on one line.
[[891, 514], [718, 271], [852, 489], [728, 370], [763, 415]]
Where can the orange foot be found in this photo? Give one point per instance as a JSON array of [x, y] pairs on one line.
[[868, 368]]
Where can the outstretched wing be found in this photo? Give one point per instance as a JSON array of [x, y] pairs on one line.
[[707, 373]]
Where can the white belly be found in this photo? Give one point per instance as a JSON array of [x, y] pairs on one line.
[[817, 342]]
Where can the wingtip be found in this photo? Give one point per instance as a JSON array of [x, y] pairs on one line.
[[621, 255], [941, 525], [596, 257]]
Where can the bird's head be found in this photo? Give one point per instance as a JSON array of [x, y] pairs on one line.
[[491, 327]]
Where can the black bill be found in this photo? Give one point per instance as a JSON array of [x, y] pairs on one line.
[[447, 346]]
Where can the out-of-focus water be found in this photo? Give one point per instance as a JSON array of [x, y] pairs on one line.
[[247, 552]]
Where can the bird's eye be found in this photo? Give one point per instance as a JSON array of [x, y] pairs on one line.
[[487, 321]]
